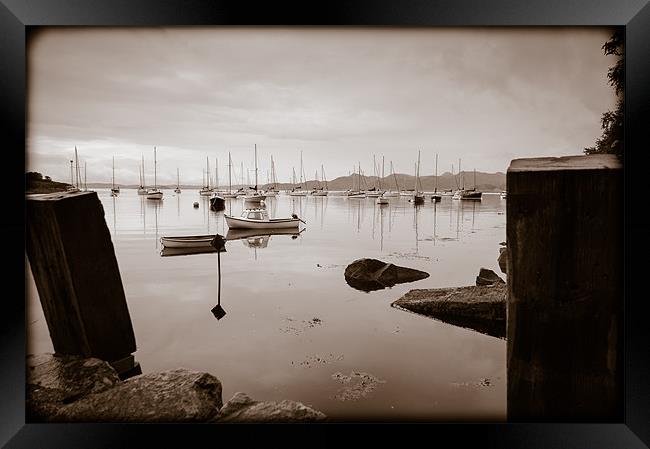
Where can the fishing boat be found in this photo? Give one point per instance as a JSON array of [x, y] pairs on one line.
[[114, 190], [178, 186], [142, 190], [436, 197], [189, 241], [418, 196], [154, 194], [259, 219]]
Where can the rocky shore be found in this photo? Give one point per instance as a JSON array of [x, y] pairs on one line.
[[76, 389]]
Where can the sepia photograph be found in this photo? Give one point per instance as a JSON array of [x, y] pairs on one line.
[[324, 224]]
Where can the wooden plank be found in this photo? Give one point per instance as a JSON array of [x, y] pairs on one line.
[[77, 276], [565, 289]]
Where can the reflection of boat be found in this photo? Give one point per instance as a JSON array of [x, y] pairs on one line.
[[259, 219], [188, 241], [238, 234], [167, 251]]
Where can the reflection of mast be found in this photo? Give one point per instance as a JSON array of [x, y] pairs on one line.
[[435, 210], [114, 220], [156, 213], [381, 228]]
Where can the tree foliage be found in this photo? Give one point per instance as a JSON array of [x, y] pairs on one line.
[[611, 122]]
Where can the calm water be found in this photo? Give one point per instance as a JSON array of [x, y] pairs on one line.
[[293, 328]]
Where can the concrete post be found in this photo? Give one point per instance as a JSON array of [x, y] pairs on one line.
[[565, 289]]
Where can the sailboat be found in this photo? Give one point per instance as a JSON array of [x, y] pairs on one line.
[[373, 192], [154, 194], [298, 190], [318, 191], [390, 193], [382, 199], [114, 190], [436, 197], [418, 196], [471, 194], [206, 190], [230, 193], [322, 190], [142, 190], [254, 196], [357, 193], [178, 182], [273, 190]]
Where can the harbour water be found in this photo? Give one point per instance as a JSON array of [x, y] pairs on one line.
[[293, 328]]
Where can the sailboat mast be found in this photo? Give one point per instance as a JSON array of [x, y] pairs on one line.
[[76, 161], [322, 170], [229, 175], [382, 171], [113, 182], [255, 167], [301, 168], [85, 179], [216, 173], [178, 178], [461, 181], [435, 189], [207, 172], [394, 175], [474, 179], [155, 167], [144, 182]]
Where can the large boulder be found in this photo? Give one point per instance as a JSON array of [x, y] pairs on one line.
[[56, 380], [373, 274], [242, 409], [488, 277], [481, 308], [178, 395]]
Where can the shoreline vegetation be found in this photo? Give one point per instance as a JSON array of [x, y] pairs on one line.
[[37, 183]]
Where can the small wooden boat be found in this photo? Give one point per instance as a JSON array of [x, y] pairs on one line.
[[382, 200], [188, 241], [259, 219]]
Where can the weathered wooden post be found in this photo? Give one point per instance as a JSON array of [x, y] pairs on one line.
[[565, 289], [78, 281]]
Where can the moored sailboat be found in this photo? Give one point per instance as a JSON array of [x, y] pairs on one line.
[[436, 197], [142, 190], [418, 196], [154, 194], [253, 195], [178, 182], [114, 190]]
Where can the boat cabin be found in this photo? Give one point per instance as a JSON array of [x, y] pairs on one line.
[[255, 214]]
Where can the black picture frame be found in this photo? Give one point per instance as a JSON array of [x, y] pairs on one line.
[[16, 18]]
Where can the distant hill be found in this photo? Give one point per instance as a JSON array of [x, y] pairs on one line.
[[486, 182]]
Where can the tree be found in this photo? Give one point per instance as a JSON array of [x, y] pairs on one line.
[[611, 122]]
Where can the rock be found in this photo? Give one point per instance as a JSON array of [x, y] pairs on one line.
[[53, 381], [503, 260], [178, 395], [488, 277], [241, 408], [482, 308], [373, 274]]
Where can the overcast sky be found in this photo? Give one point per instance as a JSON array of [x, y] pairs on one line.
[[486, 96]]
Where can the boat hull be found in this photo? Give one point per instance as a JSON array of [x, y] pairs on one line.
[[276, 223], [193, 241], [154, 195]]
